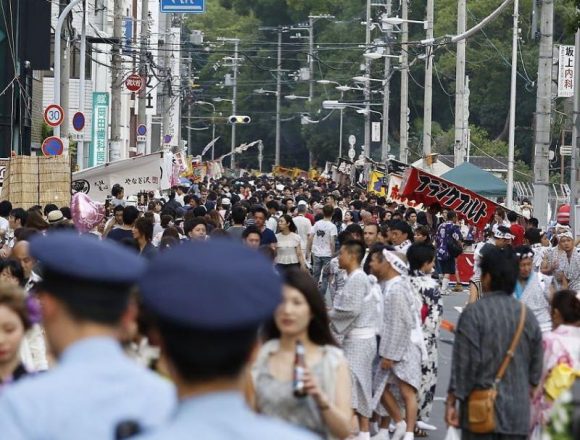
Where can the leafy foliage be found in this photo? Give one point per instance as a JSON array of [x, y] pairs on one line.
[[337, 57]]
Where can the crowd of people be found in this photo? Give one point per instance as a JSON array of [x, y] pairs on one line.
[[238, 278]]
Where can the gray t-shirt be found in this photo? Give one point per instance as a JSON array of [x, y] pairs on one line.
[[236, 232]]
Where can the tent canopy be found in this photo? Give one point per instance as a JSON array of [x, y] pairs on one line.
[[477, 180]]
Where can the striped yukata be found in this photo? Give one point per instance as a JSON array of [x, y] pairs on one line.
[[482, 337], [569, 265], [353, 321], [400, 324], [536, 297]]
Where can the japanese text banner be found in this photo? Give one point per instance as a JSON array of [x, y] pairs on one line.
[[427, 189]]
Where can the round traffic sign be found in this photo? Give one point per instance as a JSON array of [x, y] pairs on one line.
[[167, 138], [141, 130], [52, 146], [134, 83], [54, 115], [78, 121], [351, 153], [352, 140]]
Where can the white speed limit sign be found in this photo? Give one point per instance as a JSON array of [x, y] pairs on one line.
[[54, 115]]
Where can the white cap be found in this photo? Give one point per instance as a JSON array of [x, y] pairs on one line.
[[226, 201], [303, 202]]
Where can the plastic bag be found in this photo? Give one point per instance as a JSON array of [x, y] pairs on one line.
[[453, 434]]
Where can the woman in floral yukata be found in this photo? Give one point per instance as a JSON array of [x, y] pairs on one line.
[[561, 356], [421, 258]]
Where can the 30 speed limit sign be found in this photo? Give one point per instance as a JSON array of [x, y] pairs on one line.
[[54, 115]]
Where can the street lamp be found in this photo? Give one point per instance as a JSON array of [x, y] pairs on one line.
[[365, 79], [261, 91], [295, 97], [396, 21], [218, 99], [213, 125], [341, 89], [364, 111], [377, 55], [265, 92], [327, 81]]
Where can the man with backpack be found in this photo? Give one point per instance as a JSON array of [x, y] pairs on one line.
[[449, 247]]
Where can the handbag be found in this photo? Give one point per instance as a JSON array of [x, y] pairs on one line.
[[454, 247], [481, 403]]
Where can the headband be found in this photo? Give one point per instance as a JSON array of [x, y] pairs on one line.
[[397, 264], [566, 234], [506, 235], [521, 256]]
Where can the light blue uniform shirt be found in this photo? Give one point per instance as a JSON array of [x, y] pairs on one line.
[[223, 416], [93, 388]]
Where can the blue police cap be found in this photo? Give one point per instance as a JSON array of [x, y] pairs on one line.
[[213, 285], [87, 258]]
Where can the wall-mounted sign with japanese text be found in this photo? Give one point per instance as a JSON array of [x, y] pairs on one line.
[[98, 151], [566, 72], [140, 173]]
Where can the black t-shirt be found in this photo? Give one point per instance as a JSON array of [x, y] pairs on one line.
[[118, 234], [268, 237]]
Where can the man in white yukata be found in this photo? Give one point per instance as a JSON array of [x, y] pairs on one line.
[[401, 347], [353, 321]]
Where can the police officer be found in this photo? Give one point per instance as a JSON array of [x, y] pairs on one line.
[[209, 299], [95, 388]]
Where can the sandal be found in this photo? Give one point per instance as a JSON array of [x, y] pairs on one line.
[[420, 432]]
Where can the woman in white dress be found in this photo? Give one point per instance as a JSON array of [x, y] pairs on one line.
[[288, 251]]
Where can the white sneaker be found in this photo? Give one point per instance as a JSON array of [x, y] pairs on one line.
[[363, 436], [409, 436], [426, 426], [382, 435], [400, 430]]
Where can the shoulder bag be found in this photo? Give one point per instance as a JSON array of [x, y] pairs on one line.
[[481, 403]]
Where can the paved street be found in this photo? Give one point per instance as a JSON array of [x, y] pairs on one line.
[[445, 351]]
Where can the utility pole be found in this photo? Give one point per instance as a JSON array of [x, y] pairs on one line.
[[65, 76], [82, 74], [512, 124], [386, 91], [311, 57], [234, 100], [543, 114], [311, 79], [404, 117], [460, 127], [116, 83], [279, 93], [142, 99], [428, 99], [575, 136], [367, 86], [167, 77]]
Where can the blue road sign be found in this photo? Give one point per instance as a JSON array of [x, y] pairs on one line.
[[142, 130], [52, 146], [78, 121], [183, 6]]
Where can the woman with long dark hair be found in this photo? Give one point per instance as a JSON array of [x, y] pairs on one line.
[[301, 318], [288, 250], [14, 323]]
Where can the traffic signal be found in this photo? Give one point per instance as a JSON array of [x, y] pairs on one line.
[[238, 119]]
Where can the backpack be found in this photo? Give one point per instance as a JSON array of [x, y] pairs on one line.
[[454, 247]]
